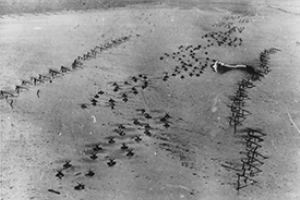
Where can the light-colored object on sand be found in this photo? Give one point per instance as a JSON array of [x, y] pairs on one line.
[[94, 118], [219, 64], [293, 122]]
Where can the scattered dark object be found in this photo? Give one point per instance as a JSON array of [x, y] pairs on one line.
[[90, 173], [124, 95], [124, 146], [79, 186], [137, 138], [94, 100], [97, 147], [166, 125], [38, 93], [111, 100], [111, 140], [111, 103], [164, 119], [93, 156], [83, 106], [135, 79], [134, 90], [137, 122], [147, 132], [142, 110], [67, 165], [147, 116], [167, 116], [165, 78], [111, 162], [130, 153], [100, 92], [116, 88], [121, 126], [59, 174], [121, 132], [53, 191], [145, 84]]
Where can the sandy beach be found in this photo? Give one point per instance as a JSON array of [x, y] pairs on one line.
[[122, 102]]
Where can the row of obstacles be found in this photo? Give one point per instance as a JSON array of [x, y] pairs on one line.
[[252, 138], [237, 107], [54, 73]]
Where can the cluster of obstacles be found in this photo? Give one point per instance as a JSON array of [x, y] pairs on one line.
[[192, 60], [123, 143]]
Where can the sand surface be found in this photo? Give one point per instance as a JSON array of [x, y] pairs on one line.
[[198, 156]]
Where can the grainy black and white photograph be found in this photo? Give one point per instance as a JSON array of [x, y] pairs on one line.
[[150, 99]]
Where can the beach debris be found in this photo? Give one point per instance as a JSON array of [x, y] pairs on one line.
[[90, 173], [97, 148], [101, 92], [137, 138], [53, 191], [111, 162], [79, 186], [83, 106], [147, 116], [111, 140], [94, 119], [130, 153], [124, 146], [67, 164], [147, 132], [59, 174], [142, 110], [38, 93], [111, 103], [137, 122], [134, 90], [93, 156]]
